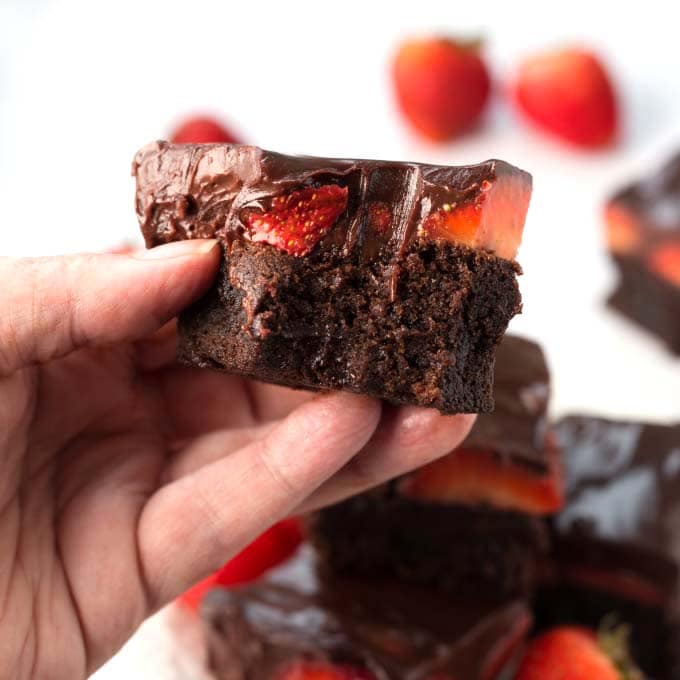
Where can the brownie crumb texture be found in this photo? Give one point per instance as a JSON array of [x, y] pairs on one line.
[[422, 330]]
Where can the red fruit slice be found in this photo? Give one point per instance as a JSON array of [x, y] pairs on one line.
[[622, 230], [493, 220], [203, 130], [307, 669], [665, 262], [297, 221], [475, 476], [569, 94], [441, 85], [272, 547]]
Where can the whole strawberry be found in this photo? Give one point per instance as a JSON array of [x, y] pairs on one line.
[[569, 94], [573, 653], [442, 85], [202, 130]]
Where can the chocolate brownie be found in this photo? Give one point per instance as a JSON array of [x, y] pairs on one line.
[[643, 235], [616, 545], [467, 522], [295, 626], [395, 280]]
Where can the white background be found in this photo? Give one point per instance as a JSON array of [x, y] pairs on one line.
[[84, 84]]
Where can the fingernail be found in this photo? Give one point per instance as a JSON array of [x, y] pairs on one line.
[[177, 249]]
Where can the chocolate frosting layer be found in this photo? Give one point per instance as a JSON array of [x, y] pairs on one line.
[[623, 498], [204, 191], [517, 428], [655, 200], [391, 631]]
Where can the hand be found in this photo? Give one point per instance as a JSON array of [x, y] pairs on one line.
[[125, 478]]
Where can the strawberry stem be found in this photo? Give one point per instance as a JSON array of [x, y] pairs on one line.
[[614, 640]]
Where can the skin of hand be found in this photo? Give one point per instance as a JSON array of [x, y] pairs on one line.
[[125, 477]]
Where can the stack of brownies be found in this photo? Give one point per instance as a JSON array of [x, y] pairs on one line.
[[446, 572]]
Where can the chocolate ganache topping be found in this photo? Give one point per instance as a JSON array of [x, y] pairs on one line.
[[205, 191]]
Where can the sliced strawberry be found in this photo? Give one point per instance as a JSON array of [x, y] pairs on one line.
[[442, 85], [272, 547], [568, 93], [493, 220], [476, 476], [622, 230], [203, 130], [573, 653], [297, 221], [665, 261], [308, 669]]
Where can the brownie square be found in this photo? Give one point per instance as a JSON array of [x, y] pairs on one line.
[[643, 235], [469, 522], [616, 544], [294, 623], [401, 291]]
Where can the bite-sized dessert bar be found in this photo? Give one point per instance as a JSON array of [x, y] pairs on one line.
[[294, 626], [469, 522], [616, 544], [395, 280], [643, 235]]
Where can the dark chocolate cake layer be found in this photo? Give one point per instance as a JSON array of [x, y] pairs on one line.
[[616, 545], [376, 277], [649, 300], [369, 630], [456, 549]]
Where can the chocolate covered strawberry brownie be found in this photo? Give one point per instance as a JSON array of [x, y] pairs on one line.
[[471, 522], [643, 236], [395, 280], [616, 545]]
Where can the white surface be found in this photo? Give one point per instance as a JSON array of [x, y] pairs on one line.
[[84, 84]]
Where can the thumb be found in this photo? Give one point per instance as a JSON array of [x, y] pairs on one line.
[[53, 305]]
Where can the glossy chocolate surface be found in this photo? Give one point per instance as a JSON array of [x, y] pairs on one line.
[[623, 498], [655, 200], [201, 191], [385, 628], [517, 428]]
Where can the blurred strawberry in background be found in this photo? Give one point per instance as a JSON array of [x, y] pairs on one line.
[[442, 85], [203, 130], [575, 653], [272, 547], [569, 94]]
